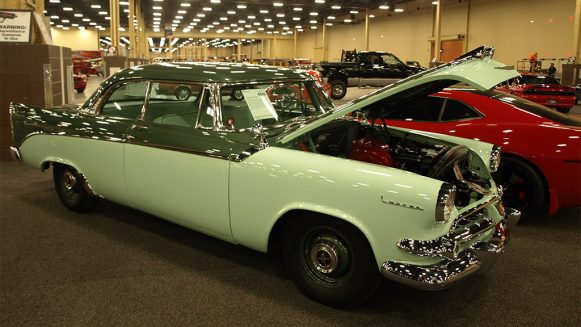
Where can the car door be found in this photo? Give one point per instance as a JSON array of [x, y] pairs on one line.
[[176, 166]]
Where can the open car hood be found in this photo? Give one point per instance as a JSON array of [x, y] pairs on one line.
[[475, 68]]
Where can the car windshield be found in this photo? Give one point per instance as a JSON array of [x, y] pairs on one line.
[[537, 79], [536, 109], [270, 104]]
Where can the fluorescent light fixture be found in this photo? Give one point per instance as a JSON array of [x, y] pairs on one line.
[[78, 15], [298, 9], [331, 17], [94, 6], [103, 13], [296, 18], [54, 17], [336, 7], [353, 12], [55, 1], [231, 12], [263, 11], [347, 20], [157, 8], [278, 4], [86, 20], [319, 1], [312, 13], [384, 7], [279, 15], [398, 10], [124, 3], [241, 6], [207, 9], [185, 4], [67, 9]]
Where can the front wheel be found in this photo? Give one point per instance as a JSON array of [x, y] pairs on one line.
[[70, 187], [330, 260], [338, 89], [523, 186]]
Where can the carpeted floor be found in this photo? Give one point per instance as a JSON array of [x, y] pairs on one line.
[[118, 266]]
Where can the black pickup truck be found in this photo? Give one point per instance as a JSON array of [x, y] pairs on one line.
[[364, 68]]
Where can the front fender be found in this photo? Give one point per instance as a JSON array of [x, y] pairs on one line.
[[385, 204]]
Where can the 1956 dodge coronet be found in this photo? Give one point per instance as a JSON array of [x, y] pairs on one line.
[[258, 156]]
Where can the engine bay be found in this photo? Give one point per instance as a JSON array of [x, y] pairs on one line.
[[348, 138]]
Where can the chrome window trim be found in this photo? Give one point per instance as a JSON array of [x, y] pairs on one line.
[[98, 107]]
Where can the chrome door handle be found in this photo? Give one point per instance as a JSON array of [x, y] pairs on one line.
[[139, 127]]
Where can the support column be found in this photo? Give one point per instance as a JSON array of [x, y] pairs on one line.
[[238, 50], [114, 28], [295, 44], [577, 32], [262, 49], [205, 49], [138, 39], [367, 29], [131, 27], [437, 39], [467, 27], [324, 39]]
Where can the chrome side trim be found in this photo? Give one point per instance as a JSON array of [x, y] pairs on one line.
[[247, 153], [15, 154]]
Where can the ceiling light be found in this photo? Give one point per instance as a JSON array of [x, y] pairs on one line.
[[93, 23], [296, 18], [398, 10], [384, 7], [223, 18], [264, 11], [55, 1], [68, 9], [319, 1], [251, 17], [156, 18], [279, 15], [371, 16], [124, 3], [336, 7], [347, 20], [330, 17], [179, 17], [75, 25], [268, 19], [329, 24], [185, 4], [313, 21], [278, 4], [312, 13], [215, 1], [78, 15], [182, 12], [86, 20], [241, 6], [201, 15], [103, 13], [156, 14], [54, 17], [313, 27], [157, 8], [207, 9], [66, 21], [92, 6], [282, 23], [298, 9], [231, 12], [353, 12], [434, 2]]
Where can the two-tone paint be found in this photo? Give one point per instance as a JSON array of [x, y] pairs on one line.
[[234, 186]]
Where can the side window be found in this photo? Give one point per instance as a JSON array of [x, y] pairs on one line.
[[126, 101], [423, 109], [455, 110], [391, 60], [207, 113], [173, 103]]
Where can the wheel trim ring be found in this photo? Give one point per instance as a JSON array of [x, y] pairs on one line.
[[342, 271], [337, 90]]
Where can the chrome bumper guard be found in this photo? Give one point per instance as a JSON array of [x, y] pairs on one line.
[[15, 154], [456, 265]]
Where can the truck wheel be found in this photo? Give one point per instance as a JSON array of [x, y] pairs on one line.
[[330, 261], [183, 93], [338, 89], [71, 189]]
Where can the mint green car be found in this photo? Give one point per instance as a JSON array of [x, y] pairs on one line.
[[259, 156]]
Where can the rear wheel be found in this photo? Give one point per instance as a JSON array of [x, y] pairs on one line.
[[338, 89], [523, 186], [70, 187], [330, 260]]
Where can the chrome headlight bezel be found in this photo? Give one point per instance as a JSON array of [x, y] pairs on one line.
[[445, 203], [494, 158]]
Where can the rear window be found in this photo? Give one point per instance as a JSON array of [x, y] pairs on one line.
[[537, 79], [536, 109]]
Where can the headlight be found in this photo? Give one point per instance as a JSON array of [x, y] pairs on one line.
[[445, 203], [494, 158]]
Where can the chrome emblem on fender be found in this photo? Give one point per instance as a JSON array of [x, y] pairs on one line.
[[401, 204]]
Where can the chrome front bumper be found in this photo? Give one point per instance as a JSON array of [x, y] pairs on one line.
[[15, 154], [457, 264]]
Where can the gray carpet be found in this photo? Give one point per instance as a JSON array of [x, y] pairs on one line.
[[118, 266]]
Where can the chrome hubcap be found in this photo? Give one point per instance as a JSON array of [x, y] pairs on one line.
[[324, 258], [69, 181], [337, 90]]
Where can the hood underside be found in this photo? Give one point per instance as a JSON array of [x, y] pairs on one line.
[[475, 68]]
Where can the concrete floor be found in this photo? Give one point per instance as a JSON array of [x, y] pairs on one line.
[[118, 266]]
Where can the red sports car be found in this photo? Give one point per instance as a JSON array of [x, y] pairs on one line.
[[542, 89], [541, 148]]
